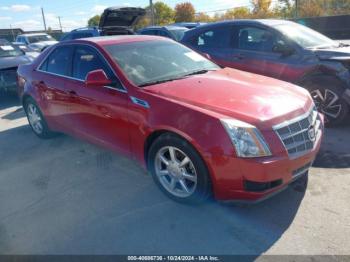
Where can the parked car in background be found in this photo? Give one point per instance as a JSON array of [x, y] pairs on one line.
[[283, 50], [10, 58], [174, 32], [81, 33], [37, 42], [198, 128], [114, 21], [26, 49], [188, 25]]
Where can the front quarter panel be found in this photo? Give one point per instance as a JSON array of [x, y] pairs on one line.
[[201, 129]]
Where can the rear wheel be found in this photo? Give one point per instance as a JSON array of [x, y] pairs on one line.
[[178, 170], [327, 95], [36, 119]]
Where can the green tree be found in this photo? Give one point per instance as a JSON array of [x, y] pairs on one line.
[[163, 14], [262, 8], [202, 17], [184, 12], [94, 21]]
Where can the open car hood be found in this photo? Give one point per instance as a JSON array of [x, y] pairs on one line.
[[120, 17]]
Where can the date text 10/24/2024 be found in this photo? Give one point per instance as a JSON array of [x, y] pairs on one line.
[[173, 258]]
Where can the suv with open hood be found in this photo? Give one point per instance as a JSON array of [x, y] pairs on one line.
[[114, 21]]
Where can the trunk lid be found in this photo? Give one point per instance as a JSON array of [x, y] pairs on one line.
[[119, 19]]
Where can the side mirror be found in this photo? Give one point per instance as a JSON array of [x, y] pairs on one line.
[[97, 78], [283, 49]]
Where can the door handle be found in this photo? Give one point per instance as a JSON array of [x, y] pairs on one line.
[[72, 93]]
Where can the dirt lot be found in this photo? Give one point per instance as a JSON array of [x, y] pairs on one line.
[[65, 196]]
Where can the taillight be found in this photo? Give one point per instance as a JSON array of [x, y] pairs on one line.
[[20, 81]]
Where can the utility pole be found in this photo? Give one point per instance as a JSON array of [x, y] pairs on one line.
[[59, 20], [296, 9], [42, 13], [152, 11], [13, 34]]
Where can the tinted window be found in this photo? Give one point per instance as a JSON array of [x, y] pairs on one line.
[[86, 60], [59, 61], [163, 33], [216, 37], [255, 39], [81, 35], [149, 32]]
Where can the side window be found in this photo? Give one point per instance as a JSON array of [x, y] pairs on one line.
[[86, 60], [149, 32], [214, 38], [256, 39], [59, 61], [163, 33], [81, 35]]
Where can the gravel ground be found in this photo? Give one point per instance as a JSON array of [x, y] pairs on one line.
[[65, 196]]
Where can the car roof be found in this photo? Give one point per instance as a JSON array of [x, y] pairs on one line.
[[92, 28], [118, 39], [168, 27], [268, 22], [33, 34]]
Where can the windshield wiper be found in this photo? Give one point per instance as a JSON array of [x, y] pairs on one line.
[[198, 72], [202, 71], [157, 82]]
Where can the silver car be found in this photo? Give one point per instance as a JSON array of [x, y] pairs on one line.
[[10, 58]]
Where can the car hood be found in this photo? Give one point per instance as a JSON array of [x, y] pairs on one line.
[[44, 43], [120, 17], [256, 99], [340, 53], [14, 61]]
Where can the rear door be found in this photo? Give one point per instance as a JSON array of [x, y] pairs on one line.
[[51, 78], [101, 112]]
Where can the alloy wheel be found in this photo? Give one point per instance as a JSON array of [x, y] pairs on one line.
[[34, 119], [175, 171], [327, 102]]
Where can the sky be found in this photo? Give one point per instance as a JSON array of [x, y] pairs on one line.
[[26, 14]]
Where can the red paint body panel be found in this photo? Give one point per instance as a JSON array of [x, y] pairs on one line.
[[190, 107]]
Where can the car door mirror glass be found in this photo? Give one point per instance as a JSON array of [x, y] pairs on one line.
[[97, 78]]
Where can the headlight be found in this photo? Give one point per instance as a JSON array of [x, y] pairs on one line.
[[246, 138]]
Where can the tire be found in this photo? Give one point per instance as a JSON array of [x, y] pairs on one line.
[[323, 91], [196, 178], [36, 120]]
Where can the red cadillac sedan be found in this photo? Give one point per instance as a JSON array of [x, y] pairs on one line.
[[199, 129]]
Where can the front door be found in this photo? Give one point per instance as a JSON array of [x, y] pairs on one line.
[[253, 52], [101, 112]]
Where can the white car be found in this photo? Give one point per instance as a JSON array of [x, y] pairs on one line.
[[37, 42]]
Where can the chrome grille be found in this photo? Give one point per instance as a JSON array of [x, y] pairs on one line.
[[297, 134]]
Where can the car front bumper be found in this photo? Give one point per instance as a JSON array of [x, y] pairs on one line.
[[254, 180]]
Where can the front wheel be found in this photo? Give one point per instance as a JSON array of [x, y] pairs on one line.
[[178, 170], [327, 95]]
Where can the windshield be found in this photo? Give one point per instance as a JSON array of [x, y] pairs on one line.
[[178, 33], [154, 61], [7, 49], [40, 38], [305, 37]]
